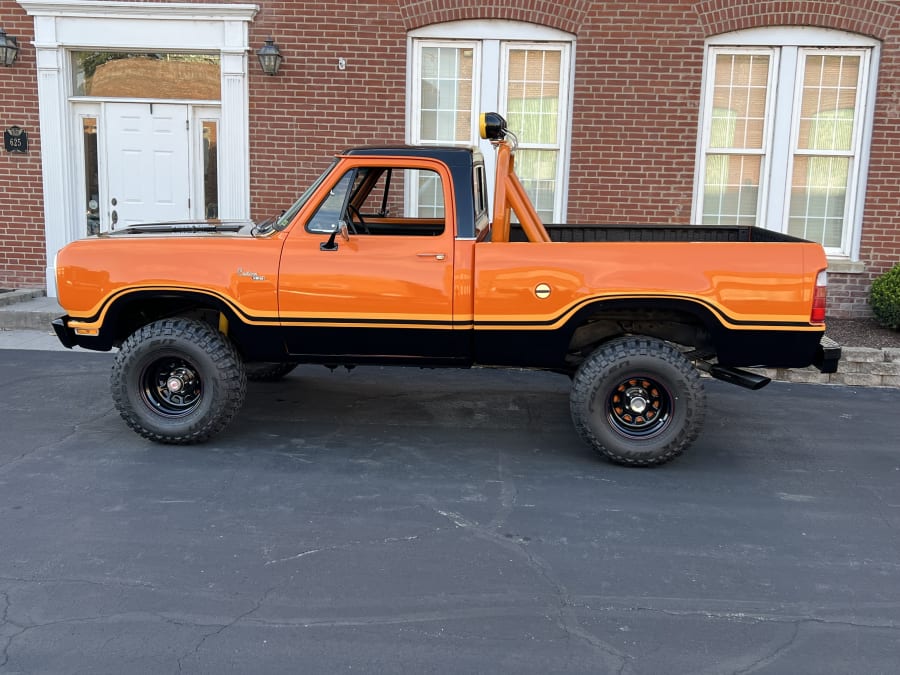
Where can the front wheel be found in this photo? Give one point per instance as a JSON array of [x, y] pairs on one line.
[[638, 401], [177, 381]]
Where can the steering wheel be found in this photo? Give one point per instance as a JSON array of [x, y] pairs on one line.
[[353, 212]]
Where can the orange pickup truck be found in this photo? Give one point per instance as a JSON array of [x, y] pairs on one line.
[[393, 256]]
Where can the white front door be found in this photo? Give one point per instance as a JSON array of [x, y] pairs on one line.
[[148, 166]]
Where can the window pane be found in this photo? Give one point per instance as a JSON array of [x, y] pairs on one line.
[[739, 101], [91, 176], [431, 194], [533, 101], [818, 198], [210, 169], [828, 108], [533, 95], [731, 189], [446, 98], [143, 75], [537, 171], [824, 147], [327, 217], [737, 144]]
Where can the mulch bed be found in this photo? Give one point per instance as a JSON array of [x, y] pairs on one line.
[[861, 333]]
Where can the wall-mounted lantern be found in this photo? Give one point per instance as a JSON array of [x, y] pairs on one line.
[[269, 57], [9, 48]]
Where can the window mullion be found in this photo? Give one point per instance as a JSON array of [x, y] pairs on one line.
[[778, 165]]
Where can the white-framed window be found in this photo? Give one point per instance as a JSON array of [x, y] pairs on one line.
[[460, 69], [444, 92], [785, 128]]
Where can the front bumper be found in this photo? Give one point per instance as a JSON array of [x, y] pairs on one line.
[[65, 334], [73, 337], [828, 354]]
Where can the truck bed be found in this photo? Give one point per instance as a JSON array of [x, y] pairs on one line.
[[657, 233]]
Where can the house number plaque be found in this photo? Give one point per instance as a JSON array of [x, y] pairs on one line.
[[15, 139]]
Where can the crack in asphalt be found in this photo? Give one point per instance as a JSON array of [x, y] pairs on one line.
[[343, 547], [762, 618], [509, 494], [566, 618], [882, 504], [223, 627], [774, 654], [51, 444], [75, 580], [4, 620]]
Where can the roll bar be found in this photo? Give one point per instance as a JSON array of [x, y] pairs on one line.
[[509, 194]]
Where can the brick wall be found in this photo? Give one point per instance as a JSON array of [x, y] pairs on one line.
[[22, 251], [312, 109], [634, 127], [637, 97]]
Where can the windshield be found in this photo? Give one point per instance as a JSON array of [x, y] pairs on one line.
[[285, 218]]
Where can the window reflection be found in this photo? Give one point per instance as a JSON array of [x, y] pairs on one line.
[[210, 169], [91, 175], [143, 75]]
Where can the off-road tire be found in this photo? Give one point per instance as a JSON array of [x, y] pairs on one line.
[[177, 381], [638, 401], [264, 371]]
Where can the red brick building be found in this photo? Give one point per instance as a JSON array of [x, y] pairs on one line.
[[781, 114]]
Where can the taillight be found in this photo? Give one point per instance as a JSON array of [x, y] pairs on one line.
[[819, 298]]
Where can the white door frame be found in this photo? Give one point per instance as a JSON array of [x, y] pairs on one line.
[[60, 25]]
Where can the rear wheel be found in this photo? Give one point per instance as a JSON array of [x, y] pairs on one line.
[[638, 401], [177, 381]]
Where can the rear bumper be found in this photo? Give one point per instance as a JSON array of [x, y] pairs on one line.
[[65, 334], [828, 354]]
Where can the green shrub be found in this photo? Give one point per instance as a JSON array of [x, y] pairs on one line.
[[885, 298]]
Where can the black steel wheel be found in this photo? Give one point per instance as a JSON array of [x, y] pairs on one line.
[[638, 401], [264, 371], [639, 407], [177, 381], [171, 386]]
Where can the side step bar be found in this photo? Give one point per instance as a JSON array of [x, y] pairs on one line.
[[740, 377]]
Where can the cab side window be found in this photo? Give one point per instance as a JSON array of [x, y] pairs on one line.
[[384, 201]]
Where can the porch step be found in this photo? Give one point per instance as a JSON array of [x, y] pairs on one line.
[[27, 309]]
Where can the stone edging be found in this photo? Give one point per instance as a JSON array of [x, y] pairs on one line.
[[859, 367]]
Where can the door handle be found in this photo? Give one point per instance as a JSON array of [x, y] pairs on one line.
[[114, 217], [436, 256]]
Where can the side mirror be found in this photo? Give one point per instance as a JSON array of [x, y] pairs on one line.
[[331, 244]]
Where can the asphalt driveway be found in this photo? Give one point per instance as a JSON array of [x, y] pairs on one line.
[[405, 520]]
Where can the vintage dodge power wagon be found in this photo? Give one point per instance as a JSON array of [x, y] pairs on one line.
[[394, 257]]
